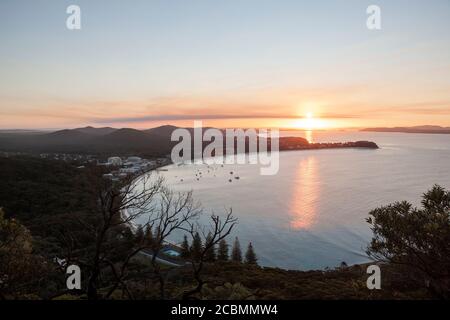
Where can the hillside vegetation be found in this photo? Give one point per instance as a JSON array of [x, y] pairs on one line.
[[50, 210]]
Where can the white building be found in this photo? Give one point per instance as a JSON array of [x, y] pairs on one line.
[[134, 159], [115, 161]]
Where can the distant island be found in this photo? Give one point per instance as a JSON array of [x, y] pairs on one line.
[[415, 129]]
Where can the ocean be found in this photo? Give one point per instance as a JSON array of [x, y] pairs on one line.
[[312, 214]]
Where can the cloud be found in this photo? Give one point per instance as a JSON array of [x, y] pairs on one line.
[[416, 108], [196, 116]]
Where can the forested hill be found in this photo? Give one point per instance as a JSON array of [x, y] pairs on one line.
[[126, 141], [44, 195], [33, 187]]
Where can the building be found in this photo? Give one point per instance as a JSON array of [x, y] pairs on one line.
[[130, 170], [134, 159], [115, 161]]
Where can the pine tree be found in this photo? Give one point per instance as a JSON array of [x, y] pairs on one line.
[[196, 248], [210, 254], [139, 235], [148, 235], [185, 251], [250, 256], [236, 253], [222, 254], [156, 234]]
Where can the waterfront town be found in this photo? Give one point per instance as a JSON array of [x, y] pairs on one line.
[[124, 167], [119, 166]]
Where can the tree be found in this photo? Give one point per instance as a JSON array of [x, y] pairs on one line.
[[21, 270], [175, 211], [92, 224], [236, 253], [220, 228], [196, 248], [222, 254], [139, 235], [106, 262], [250, 256], [185, 251], [416, 239], [148, 235], [112, 201], [210, 254]]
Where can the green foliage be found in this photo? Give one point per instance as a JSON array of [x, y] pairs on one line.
[[33, 187], [196, 247], [274, 283], [210, 254], [148, 235], [21, 270], [139, 235], [46, 193], [185, 251], [416, 238], [236, 253], [228, 291], [250, 256], [222, 253]]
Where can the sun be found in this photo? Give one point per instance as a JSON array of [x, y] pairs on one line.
[[309, 122]]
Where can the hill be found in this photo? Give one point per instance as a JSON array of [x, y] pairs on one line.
[[127, 141], [89, 140], [96, 131], [164, 131]]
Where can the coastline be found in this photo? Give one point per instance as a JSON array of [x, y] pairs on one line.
[[415, 130], [169, 166]]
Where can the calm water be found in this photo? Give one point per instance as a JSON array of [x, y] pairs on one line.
[[312, 213]]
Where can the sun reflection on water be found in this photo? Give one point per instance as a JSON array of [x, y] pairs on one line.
[[303, 206], [309, 136]]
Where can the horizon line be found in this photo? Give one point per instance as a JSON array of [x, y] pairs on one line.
[[218, 127]]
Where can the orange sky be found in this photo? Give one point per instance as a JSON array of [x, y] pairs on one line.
[[231, 64], [339, 107]]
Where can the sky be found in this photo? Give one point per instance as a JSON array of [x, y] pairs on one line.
[[246, 63]]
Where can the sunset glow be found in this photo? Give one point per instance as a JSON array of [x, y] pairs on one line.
[[237, 150], [178, 70], [310, 122]]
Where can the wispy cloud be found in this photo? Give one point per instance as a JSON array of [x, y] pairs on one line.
[[176, 117]]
